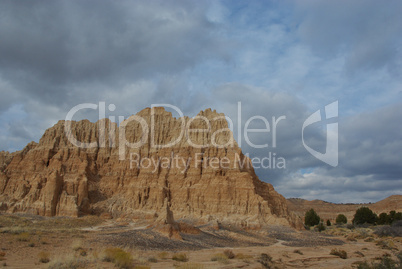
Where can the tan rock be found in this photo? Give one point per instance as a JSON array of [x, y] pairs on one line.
[[203, 175]]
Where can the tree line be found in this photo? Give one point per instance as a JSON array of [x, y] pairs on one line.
[[363, 215]]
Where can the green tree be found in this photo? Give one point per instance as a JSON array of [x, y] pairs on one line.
[[391, 216], [341, 219], [364, 215], [328, 222], [383, 219], [321, 227], [311, 218], [398, 216]]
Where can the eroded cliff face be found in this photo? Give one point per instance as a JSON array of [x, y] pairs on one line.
[[132, 170]]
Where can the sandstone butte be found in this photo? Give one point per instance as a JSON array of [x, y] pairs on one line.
[[56, 178]]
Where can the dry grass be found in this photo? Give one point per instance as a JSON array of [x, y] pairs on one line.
[[44, 257], [220, 257], [119, 257], [298, 251], [386, 244], [152, 259], [23, 237], [241, 256], [163, 255], [340, 253], [19, 224], [68, 262], [180, 257], [229, 253]]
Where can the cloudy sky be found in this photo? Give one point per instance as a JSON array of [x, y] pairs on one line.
[[277, 58]]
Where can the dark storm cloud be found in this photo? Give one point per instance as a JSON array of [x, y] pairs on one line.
[[49, 46], [370, 146], [369, 33]]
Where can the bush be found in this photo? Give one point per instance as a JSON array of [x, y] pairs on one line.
[[23, 237], [393, 231], [328, 222], [180, 257], [298, 251], [340, 253], [229, 253], [119, 257], [341, 219], [383, 219], [153, 259], [385, 263], [364, 215], [69, 262], [220, 257], [266, 260], [242, 256], [390, 218], [163, 255], [43, 257], [311, 218], [321, 227]]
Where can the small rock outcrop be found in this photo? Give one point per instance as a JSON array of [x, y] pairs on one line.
[[150, 164]]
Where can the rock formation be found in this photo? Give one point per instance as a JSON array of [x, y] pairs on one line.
[[135, 168]]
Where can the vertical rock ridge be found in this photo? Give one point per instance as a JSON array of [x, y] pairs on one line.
[[55, 177]]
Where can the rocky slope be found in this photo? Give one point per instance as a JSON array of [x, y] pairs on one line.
[[129, 171], [329, 211]]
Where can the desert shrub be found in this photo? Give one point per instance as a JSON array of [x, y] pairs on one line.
[[321, 227], [153, 259], [311, 218], [141, 267], [364, 215], [229, 253], [77, 245], [298, 251], [340, 253], [385, 263], [43, 257], [82, 252], [180, 257], [23, 237], [328, 222], [119, 257], [341, 219], [31, 245], [397, 223], [388, 231], [358, 253], [69, 262], [163, 255], [220, 257], [242, 256], [266, 260], [2, 254], [386, 244]]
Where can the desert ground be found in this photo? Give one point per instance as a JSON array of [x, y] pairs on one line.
[[28, 241]]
